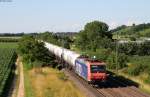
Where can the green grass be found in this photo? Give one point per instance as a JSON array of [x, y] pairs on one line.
[[8, 45], [28, 89]]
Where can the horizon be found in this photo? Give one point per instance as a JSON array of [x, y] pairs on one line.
[[69, 31], [69, 16]]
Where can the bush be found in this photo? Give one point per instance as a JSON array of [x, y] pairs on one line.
[[62, 76], [135, 70], [133, 48], [122, 60], [111, 61], [34, 52], [9, 39], [148, 80], [139, 64], [132, 38]]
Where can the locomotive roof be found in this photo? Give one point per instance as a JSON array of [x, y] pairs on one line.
[[83, 56], [87, 59], [95, 61]]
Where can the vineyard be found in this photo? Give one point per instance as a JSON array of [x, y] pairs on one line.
[[7, 60]]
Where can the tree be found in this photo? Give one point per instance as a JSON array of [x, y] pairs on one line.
[[82, 40], [121, 61], [49, 37], [34, 51], [96, 28], [118, 28], [133, 38], [111, 61], [144, 48], [65, 42], [93, 35]]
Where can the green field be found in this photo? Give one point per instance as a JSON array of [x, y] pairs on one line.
[[7, 60], [8, 45]]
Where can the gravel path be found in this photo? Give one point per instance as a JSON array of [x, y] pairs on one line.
[[21, 82]]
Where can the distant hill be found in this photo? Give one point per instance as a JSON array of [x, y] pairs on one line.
[[142, 30]]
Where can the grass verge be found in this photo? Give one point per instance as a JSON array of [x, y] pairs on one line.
[[139, 79], [49, 82], [27, 83]]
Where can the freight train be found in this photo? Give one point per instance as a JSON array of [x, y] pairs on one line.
[[91, 70]]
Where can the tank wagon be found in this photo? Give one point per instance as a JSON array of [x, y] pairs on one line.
[[88, 69]]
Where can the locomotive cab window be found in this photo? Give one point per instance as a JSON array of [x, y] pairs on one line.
[[98, 68]]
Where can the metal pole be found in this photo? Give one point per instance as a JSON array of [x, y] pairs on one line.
[[117, 53]]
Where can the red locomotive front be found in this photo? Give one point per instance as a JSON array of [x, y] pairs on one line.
[[97, 71]]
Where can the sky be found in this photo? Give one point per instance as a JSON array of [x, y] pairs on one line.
[[69, 15]]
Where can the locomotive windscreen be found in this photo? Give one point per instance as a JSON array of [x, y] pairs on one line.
[[98, 68]]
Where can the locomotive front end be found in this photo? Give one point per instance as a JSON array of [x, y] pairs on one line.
[[97, 72]]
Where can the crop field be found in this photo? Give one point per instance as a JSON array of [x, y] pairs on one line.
[[7, 60], [8, 45], [9, 39]]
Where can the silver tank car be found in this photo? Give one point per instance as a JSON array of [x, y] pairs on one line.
[[68, 55]]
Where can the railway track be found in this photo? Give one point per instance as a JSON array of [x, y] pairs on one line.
[[112, 88], [90, 87], [130, 89]]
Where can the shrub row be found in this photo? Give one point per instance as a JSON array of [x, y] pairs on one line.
[[9, 40], [133, 48]]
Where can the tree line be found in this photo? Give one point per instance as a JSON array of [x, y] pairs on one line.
[[56, 38], [9, 39], [141, 30], [133, 48]]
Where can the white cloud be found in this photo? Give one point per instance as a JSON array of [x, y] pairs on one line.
[[130, 23], [113, 25]]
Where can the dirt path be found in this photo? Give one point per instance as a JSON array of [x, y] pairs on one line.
[[21, 80]]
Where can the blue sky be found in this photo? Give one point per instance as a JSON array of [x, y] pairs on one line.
[[69, 15]]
